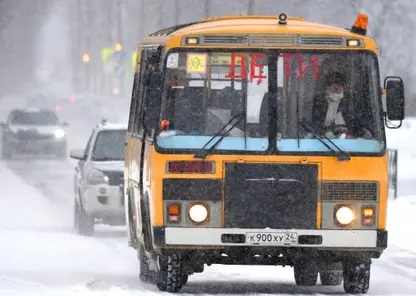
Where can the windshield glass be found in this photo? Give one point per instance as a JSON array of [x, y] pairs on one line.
[[336, 92], [109, 145], [34, 118], [204, 91]]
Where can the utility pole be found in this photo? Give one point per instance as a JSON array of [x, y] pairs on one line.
[[206, 8], [88, 45], [107, 80], [250, 7], [120, 42], [74, 45], [78, 50], [119, 23]]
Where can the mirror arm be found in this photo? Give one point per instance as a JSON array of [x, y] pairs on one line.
[[386, 121]]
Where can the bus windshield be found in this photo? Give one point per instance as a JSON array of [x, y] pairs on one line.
[[336, 92]]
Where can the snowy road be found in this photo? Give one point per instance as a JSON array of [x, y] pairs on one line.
[[41, 254]]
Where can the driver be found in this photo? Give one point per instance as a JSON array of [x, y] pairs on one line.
[[331, 112]]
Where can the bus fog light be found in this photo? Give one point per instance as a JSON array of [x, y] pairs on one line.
[[345, 215], [368, 215], [198, 213], [174, 212]]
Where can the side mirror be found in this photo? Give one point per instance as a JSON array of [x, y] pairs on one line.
[[77, 154], [153, 99], [65, 123], [153, 57], [394, 97], [2, 124]]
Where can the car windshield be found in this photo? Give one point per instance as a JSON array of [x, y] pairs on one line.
[[336, 92], [34, 118], [109, 146]]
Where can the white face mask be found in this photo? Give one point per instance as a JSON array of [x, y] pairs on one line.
[[335, 97]]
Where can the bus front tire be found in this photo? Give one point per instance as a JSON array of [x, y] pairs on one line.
[[306, 273], [171, 278], [356, 276], [146, 275]]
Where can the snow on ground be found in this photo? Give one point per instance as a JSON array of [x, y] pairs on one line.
[[39, 215], [37, 244], [401, 220], [402, 139]]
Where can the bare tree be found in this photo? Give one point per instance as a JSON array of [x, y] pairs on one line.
[[250, 7]]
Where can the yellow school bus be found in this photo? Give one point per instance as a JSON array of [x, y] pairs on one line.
[[259, 140]]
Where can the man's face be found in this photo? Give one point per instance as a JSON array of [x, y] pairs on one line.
[[335, 89]]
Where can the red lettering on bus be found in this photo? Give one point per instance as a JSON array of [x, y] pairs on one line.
[[231, 73], [254, 66], [314, 62], [286, 61]]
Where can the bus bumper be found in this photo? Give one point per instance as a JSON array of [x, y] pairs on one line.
[[294, 238]]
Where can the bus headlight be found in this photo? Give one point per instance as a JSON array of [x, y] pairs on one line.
[[198, 213], [344, 215]]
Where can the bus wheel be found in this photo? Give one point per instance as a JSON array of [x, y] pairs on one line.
[[357, 276], [170, 274], [306, 273], [146, 275]]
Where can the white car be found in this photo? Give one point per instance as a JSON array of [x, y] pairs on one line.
[[99, 179], [35, 130]]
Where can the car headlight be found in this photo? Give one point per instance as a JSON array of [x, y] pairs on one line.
[[59, 134], [198, 213], [96, 177], [345, 215]]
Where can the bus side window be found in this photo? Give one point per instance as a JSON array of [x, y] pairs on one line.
[[139, 93], [133, 103]]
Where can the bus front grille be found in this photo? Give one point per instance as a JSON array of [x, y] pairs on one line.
[[278, 196]]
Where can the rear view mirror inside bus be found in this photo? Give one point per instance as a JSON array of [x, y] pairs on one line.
[[153, 100], [394, 98]]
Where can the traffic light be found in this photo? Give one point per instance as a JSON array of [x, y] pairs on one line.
[[86, 58], [118, 47]]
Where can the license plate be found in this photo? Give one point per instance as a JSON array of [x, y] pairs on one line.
[[272, 238]]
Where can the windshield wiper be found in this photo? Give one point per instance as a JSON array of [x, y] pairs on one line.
[[205, 152], [341, 155]]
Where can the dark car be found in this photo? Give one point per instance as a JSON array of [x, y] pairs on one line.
[[33, 130]]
